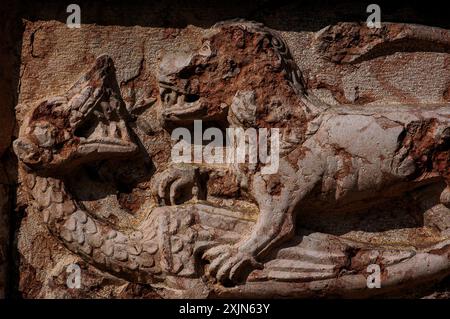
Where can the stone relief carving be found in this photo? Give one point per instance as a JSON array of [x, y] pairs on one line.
[[230, 230]]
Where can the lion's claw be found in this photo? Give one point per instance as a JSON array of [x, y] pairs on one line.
[[172, 182], [228, 263]]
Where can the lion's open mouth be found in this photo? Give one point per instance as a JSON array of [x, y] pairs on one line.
[[178, 105]]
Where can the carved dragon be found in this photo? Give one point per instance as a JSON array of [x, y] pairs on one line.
[[89, 124], [85, 125], [242, 76]]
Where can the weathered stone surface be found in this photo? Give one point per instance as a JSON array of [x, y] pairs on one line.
[[363, 177], [10, 35]]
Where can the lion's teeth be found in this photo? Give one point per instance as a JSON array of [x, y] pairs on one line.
[[172, 98], [99, 114], [166, 99]]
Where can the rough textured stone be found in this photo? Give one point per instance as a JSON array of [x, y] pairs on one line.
[[363, 177], [10, 34]]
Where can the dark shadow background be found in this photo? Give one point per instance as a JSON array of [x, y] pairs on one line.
[[286, 15]]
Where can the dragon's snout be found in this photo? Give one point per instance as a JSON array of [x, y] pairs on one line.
[[87, 124], [44, 148], [34, 147], [45, 151], [27, 151]]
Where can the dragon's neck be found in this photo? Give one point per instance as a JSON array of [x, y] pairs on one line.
[[132, 255], [50, 197], [147, 255]]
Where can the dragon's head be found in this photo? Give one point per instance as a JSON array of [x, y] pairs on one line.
[[88, 123], [240, 66]]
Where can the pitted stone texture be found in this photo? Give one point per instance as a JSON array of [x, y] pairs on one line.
[[222, 241]]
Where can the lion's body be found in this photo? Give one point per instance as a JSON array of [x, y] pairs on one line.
[[362, 156], [244, 76]]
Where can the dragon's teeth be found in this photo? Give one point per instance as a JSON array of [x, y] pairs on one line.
[[113, 132], [123, 129], [100, 131], [105, 130]]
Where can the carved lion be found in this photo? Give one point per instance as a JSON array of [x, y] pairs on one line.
[[243, 75]]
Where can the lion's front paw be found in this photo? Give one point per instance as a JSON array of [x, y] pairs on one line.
[[175, 185], [228, 264]]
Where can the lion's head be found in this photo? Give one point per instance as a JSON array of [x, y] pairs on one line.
[[242, 72]]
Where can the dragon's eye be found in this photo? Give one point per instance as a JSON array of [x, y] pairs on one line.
[[45, 134], [205, 50]]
